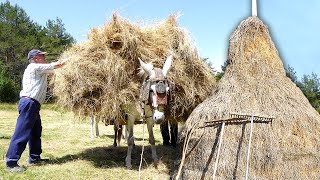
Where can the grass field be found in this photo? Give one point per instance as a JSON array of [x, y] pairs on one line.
[[74, 155]]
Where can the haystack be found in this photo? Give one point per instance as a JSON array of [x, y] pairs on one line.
[[102, 74], [254, 83]]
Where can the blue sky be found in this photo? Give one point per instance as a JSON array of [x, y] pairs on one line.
[[294, 25]]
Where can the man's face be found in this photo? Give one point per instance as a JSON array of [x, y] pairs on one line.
[[40, 58]]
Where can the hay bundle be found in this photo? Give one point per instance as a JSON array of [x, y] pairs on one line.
[[102, 73], [254, 83]]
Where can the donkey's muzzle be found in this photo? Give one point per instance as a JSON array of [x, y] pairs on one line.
[[158, 117], [161, 87]]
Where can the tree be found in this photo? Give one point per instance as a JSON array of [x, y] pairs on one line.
[[223, 68], [310, 86], [291, 73], [19, 34], [55, 39], [8, 91], [14, 38]]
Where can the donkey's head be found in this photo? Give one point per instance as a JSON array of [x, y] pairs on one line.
[[158, 86]]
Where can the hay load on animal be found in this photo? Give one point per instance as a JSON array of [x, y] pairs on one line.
[[102, 75], [253, 104]]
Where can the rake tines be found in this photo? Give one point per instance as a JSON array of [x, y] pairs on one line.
[[236, 118], [248, 117]]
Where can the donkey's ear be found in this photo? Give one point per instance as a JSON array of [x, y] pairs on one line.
[[167, 65], [146, 67]]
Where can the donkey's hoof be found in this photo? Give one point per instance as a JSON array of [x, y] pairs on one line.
[[129, 166], [155, 160], [156, 163], [128, 163]]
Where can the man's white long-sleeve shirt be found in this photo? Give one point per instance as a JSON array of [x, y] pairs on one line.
[[34, 82]]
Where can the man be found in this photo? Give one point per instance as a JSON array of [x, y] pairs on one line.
[[28, 128]]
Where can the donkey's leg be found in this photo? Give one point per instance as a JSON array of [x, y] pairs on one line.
[[115, 128], [148, 114], [119, 133], [91, 126], [125, 135], [96, 121], [151, 140], [130, 140]]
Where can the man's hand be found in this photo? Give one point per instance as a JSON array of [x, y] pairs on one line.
[[64, 60], [58, 65]]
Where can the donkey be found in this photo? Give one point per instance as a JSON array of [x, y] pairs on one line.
[[154, 100]]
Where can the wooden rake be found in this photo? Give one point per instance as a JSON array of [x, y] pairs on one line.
[[235, 118]]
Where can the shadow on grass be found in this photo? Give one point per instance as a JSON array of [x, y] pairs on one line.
[[122, 140], [110, 157], [5, 137]]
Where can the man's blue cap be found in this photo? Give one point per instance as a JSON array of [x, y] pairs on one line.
[[34, 52]]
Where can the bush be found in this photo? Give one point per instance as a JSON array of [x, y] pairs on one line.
[[8, 92]]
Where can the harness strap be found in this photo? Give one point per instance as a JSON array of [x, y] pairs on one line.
[[155, 93]]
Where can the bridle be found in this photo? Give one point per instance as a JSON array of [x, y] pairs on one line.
[[155, 91], [159, 89]]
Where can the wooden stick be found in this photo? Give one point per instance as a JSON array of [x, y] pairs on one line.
[[185, 147], [254, 8], [248, 156], [220, 141]]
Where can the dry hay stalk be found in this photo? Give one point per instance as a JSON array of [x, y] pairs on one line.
[[102, 73], [255, 83]]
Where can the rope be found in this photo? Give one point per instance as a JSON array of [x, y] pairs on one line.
[[248, 156], [218, 153], [141, 150]]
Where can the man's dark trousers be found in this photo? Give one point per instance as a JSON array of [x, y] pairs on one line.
[[28, 130]]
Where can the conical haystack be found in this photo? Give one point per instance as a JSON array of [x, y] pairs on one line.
[[101, 74], [254, 83]]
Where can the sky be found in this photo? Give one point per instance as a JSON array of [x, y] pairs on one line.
[[293, 25]]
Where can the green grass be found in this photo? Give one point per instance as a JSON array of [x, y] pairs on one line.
[[74, 155]]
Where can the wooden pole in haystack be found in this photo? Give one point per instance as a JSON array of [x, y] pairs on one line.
[[254, 8]]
